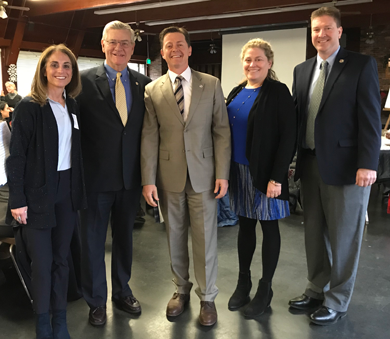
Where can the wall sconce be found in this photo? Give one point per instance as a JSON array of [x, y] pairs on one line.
[[370, 34]]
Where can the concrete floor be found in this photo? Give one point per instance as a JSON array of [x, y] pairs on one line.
[[368, 315]]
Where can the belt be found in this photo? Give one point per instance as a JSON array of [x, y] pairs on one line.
[[309, 151]]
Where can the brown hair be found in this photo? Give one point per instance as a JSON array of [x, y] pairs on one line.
[[329, 11], [39, 83], [269, 53], [174, 29]]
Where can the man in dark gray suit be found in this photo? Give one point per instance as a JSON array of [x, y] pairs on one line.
[[337, 98], [111, 116]]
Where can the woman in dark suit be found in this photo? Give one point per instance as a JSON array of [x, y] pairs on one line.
[[45, 179], [263, 125]]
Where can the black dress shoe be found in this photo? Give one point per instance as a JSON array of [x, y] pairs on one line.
[[304, 303], [326, 316], [128, 304], [98, 316]]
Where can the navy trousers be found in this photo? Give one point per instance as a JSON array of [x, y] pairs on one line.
[[123, 206], [49, 249]]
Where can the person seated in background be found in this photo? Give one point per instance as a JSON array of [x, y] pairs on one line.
[[5, 113], [12, 97]]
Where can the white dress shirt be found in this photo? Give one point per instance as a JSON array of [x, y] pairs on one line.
[[187, 88], [64, 126]]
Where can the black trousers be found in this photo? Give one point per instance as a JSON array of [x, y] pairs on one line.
[[122, 205], [48, 250]]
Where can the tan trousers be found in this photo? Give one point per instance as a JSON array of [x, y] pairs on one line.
[[198, 210]]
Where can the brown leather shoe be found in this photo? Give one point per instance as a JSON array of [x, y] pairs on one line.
[[208, 313], [129, 304], [98, 316], [177, 303]]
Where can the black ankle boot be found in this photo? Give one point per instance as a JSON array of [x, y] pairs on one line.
[[240, 296], [261, 300], [43, 327], [60, 329]]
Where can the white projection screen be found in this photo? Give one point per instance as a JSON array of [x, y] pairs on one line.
[[289, 46]]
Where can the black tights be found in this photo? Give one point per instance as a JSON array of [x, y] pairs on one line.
[[247, 244]]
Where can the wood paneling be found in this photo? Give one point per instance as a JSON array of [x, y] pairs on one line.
[[56, 6]]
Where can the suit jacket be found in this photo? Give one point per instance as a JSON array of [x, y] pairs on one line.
[[271, 135], [348, 124], [32, 165], [171, 148], [111, 151]]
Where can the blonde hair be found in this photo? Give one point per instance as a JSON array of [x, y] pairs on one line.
[[39, 83], [10, 83], [269, 53]]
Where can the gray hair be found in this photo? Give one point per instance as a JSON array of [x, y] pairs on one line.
[[118, 25], [10, 83]]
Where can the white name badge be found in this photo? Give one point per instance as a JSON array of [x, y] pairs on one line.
[[75, 122]]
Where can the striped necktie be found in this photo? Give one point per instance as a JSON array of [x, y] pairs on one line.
[[179, 93], [314, 105], [120, 99]]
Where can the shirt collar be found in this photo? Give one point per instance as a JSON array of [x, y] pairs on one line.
[[330, 60], [186, 75], [111, 73]]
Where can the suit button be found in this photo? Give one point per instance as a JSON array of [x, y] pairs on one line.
[[184, 151], [124, 133]]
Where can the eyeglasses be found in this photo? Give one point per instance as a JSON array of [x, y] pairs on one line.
[[123, 43]]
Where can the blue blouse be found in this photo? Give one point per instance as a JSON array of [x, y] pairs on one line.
[[238, 111]]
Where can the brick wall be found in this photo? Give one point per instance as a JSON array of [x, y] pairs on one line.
[[155, 68], [380, 50]]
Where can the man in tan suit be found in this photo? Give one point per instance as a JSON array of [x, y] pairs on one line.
[[185, 152]]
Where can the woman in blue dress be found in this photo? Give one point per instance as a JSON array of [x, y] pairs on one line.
[[263, 127]]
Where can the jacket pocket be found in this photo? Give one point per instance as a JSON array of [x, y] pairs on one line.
[[208, 152], [37, 199], [348, 142], [164, 154]]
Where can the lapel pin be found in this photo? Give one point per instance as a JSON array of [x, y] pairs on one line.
[[136, 83], [341, 61]]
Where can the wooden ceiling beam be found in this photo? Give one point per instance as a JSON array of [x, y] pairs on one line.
[[75, 37], [56, 6], [14, 48], [191, 10]]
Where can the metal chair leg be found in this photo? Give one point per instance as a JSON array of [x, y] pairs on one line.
[[19, 273]]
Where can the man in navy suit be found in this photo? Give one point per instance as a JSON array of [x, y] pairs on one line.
[[111, 116], [338, 103]]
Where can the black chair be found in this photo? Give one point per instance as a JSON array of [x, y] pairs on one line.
[[7, 235]]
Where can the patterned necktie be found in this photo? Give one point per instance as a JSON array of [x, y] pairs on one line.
[[120, 99], [314, 105], [179, 93]]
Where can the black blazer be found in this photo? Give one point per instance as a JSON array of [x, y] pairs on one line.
[[32, 164], [111, 151], [348, 124], [271, 135]]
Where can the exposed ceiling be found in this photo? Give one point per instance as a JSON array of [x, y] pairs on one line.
[[207, 15], [80, 22]]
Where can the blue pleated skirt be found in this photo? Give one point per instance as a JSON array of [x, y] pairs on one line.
[[247, 201]]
